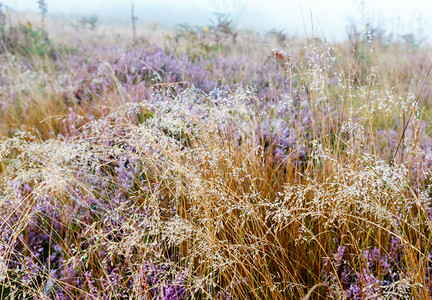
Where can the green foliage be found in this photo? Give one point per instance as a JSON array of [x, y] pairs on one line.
[[89, 21], [208, 41], [35, 41], [29, 41]]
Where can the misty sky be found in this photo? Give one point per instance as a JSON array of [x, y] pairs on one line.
[[329, 18]]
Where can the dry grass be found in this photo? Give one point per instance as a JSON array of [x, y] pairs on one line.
[[220, 194]]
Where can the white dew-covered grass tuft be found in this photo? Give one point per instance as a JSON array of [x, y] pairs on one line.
[[163, 180]]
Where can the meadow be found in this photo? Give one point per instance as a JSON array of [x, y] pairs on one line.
[[212, 163]]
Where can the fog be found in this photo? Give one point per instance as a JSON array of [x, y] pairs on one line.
[[325, 19]]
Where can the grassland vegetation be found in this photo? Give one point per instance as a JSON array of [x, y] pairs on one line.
[[212, 163]]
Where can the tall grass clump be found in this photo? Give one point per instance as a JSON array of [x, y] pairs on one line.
[[238, 173]]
